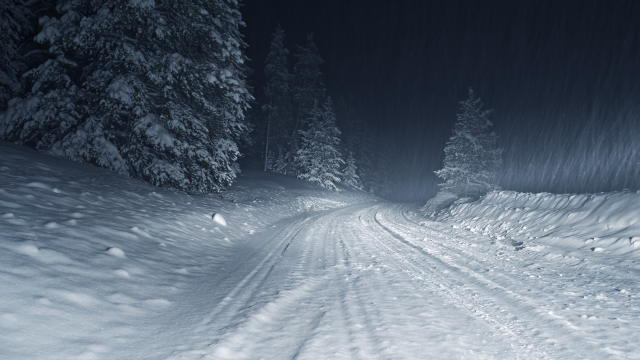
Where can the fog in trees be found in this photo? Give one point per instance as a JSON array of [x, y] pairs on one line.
[[559, 77], [123, 86]]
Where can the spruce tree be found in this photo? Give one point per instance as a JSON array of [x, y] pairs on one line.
[[280, 165], [349, 173], [318, 158], [15, 26], [155, 90], [307, 79], [308, 88], [277, 95], [471, 155]]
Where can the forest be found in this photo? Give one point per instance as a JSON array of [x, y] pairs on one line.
[[176, 101]]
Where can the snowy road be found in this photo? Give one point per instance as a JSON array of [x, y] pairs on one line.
[[94, 265], [368, 281]]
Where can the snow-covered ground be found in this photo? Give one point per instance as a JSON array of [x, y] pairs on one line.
[[607, 222], [94, 265]]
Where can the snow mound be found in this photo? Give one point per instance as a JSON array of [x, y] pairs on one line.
[[92, 259], [601, 223], [218, 219], [437, 203], [117, 252]]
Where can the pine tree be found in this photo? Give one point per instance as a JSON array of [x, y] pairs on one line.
[[15, 25], [349, 175], [269, 160], [128, 88], [280, 164], [308, 88], [277, 96], [471, 155], [318, 158]]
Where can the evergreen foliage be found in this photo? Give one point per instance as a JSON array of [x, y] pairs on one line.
[[155, 90], [15, 25], [349, 173], [318, 158], [471, 155], [269, 160], [308, 88], [280, 164], [277, 106]]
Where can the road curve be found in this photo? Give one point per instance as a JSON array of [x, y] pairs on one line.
[[373, 282]]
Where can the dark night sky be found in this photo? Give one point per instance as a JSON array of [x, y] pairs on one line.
[[548, 69]]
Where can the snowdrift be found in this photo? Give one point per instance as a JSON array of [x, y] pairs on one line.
[[442, 200], [93, 263], [603, 223]]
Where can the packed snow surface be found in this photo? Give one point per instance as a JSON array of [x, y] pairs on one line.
[[600, 222], [95, 265]]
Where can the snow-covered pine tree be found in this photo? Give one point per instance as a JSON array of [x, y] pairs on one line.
[[15, 25], [269, 160], [277, 106], [471, 155], [280, 164], [151, 89], [318, 158], [349, 175], [308, 87]]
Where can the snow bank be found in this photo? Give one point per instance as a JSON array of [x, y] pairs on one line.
[[606, 222], [93, 263], [442, 200]]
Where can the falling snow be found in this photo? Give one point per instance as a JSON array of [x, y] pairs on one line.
[[98, 265]]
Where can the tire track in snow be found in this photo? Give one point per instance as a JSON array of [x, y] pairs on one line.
[[313, 307], [356, 316], [450, 289], [512, 276], [495, 298], [248, 281], [366, 293], [395, 262], [350, 340], [357, 283], [252, 313]]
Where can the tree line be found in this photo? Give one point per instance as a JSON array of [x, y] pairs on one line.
[[299, 132], [300, 135], [158, 91]]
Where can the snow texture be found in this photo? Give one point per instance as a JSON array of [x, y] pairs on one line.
[[96, 265], [441, 201], [162, 94], [607, 222], [219, 219]]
